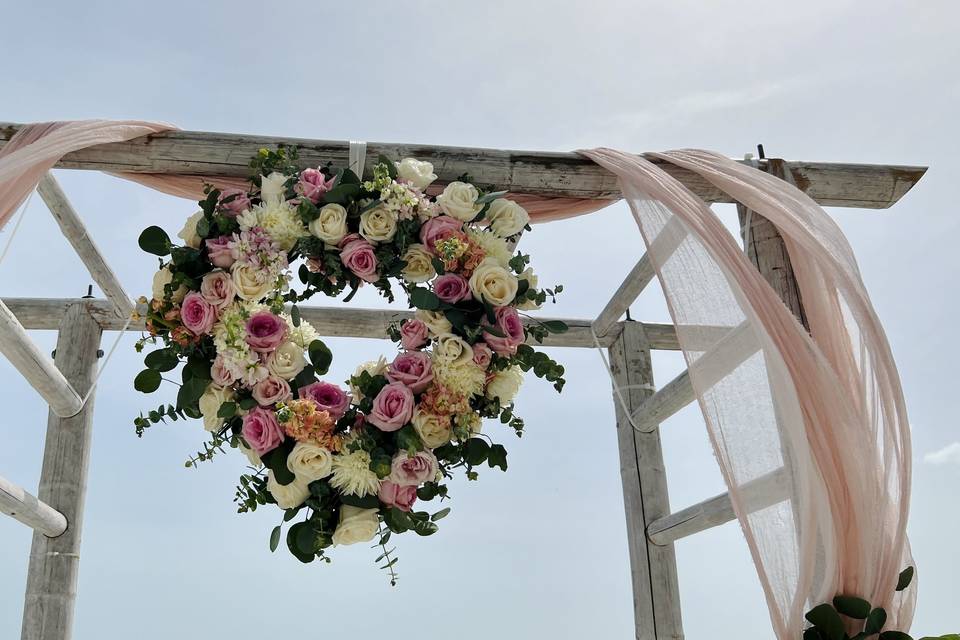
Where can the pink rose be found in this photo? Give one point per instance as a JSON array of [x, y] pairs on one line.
[[261, 430], [313, 185], [357, 255], [328, 397], [218, 289], [412, 368], [220, 252], [221, 376], [408, 471], [508, 323], [393, 495], [451, 288], [413, 334], [439, 228], [197, 314], [234, 202], [265, 331], [271, 390], [392, 408], [481, 355]]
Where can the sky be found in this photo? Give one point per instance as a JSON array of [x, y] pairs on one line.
[[541, 549]]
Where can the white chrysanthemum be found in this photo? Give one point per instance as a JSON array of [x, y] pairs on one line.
[[303, 335], [467, 379], [505, 385], [374, 368], [352, 474], [494, 247], [278, 219]]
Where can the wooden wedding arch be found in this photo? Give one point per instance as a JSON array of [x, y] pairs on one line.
[[56, 513]]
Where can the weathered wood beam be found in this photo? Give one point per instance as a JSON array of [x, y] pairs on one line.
[[21, 505], [534, 172], [52, 573], [46, 313], [760, 493], [76, 234], [36, 367]]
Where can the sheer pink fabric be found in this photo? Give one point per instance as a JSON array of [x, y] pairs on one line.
[[825, 408]]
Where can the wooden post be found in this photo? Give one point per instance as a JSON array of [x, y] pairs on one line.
[[653, 568], [54, 562]]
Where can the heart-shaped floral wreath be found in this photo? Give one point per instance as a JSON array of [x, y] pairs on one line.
[[346, 463]]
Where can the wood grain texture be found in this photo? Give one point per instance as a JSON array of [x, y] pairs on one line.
[[25, 507], [534, 172], [76, 234], [35, 366], [653, 568], [54, 562]]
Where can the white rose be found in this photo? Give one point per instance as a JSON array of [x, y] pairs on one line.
[[356, 525], [288, 496], [210, 403], [505, 385], [419, 174], [189, 232], [378, 225], [437, 323], [331, 225], [419, 264], [287, 361], [161, 279], [374, 368], [249, 287], [273, 188], [459, 200], [434, 430], [533, 281], [452, 350], [493, 283], [507, 217], [309, 461]]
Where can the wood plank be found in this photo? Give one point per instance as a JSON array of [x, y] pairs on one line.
[[533, 172], [653, 568], [76, 234], [23, 506], [765, 491], [35, 366], [48, 610]]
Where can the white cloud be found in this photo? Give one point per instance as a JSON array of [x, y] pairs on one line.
[[950, 454]]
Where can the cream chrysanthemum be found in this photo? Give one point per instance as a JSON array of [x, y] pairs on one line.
[[278, 219], [467, 379], [303, 335], [352, 474], [494, 247]]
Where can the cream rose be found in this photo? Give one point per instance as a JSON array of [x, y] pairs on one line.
[[189, 232], [418, 173], [331, 225], [507, 217], [288, 496], [533, 281], [493, 283], [248, 286], [356, 525], [419, 264], [287, 361], [453, 350], [505, 385], [437, 323], [273, 189], [459, 200], [309, 461], [433, 430], [161, 279], [378, 225], [210, 403]]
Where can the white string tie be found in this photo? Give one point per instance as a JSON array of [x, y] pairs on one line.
[[617, 389], [16, 226], [357, 157]]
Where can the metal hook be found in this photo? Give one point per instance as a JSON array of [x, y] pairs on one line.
[[760, 152]]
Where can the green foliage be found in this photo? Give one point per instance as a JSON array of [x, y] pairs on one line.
[[320, 356], [155, 240]]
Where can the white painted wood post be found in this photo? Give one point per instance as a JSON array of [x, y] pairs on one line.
[[54, 562], [653, 568]]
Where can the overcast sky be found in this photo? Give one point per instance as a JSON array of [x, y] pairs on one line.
[[541, 550]]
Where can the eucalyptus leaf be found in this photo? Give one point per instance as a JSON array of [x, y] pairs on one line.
[[827, 620], [275, 538], [155, 240], [147, 381]]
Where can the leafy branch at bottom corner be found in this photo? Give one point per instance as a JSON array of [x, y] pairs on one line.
[[384, 557]]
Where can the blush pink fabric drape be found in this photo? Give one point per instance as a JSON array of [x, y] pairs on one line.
[[823, 412]]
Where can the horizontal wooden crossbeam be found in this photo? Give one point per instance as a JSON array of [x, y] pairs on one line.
[[46, 313], [36, 514], [534, 172]]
